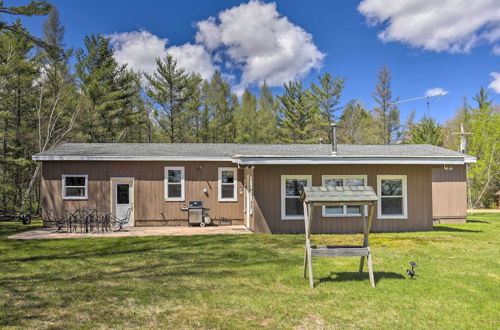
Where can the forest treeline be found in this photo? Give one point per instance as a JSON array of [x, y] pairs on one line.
[[51, 94]]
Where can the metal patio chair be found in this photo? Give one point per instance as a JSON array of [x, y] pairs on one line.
[[92, 220], [54, 221], [73, 220], [121, 222]]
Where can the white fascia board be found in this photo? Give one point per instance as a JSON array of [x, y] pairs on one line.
[[470, 159], [383, 161], [130, 158]]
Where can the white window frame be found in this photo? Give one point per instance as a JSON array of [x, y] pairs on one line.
[[283, 197], [182, 183], [235, 183], [344, 178], [404, 196], [64, 176]]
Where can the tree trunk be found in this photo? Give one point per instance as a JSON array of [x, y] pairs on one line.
[[27, 193]]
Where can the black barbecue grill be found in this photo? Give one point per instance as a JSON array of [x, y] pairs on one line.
[[197, 214]]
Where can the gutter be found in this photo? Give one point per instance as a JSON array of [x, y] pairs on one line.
[[350, 160]]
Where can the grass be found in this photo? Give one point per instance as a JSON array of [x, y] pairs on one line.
[[251, 281]]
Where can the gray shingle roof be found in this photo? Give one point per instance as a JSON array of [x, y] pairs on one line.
[[228, 150]]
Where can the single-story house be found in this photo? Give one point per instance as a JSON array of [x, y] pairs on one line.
[[256, 185]]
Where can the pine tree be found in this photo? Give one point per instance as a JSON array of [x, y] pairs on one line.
[[483, 99], [205, 113], [327, 95], [172, 89], [267, 120], [298, 114], [426, 132], [356, 125], [57, 106], [18, 72], [108, 88], [221, 105], [246, 119], [34, 8], [386, 112]]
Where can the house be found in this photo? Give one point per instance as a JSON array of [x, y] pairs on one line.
[[255, 185]]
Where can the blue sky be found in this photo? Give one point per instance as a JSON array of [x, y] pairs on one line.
[[436, 53]]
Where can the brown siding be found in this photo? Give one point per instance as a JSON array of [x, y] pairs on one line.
[[148, 188], [449, 191], [267, 190]]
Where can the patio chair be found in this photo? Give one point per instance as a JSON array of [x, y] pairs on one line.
[[121, 222], [54, 221], [73, 220], [93, 219]]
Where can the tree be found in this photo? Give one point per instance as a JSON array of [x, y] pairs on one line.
[[386, 112], [57, 107], [108, 88], [356, 125], [33, 8], [222, 106], [483, 99], [426, 132], [484, 144], [326, 95], [462, 117], [18, 73], [298, 114], [246, 119], [172, 89], [267, 120]]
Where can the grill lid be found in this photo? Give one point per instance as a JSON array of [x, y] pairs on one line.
[[193, 204]]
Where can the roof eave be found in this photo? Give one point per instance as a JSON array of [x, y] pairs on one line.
[[351, 160], [44, 158]]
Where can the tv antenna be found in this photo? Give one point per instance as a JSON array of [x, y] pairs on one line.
[[427, 97]]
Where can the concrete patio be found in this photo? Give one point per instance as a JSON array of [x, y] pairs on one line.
[[51, 233]]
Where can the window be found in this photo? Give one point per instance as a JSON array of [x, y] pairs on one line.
[[292, 208], [228, 178], [174, 183], [74, 186], [392, 203], [343, 181], [122, 193]]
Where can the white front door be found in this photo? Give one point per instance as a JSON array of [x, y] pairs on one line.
[[123, 198]]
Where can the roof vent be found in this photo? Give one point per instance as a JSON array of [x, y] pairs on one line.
[[334, 138]]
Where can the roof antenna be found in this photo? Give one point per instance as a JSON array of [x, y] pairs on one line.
[[334, 138]]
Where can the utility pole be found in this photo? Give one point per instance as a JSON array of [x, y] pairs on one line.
[[463, 149], [463, 138]]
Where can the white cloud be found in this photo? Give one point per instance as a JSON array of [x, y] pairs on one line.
[[435, 92], [253, 39], [264, 44], [194, 58], [495, 84], [139, 49], [496, 50], [444, 25]]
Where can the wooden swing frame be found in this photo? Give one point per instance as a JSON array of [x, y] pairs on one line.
[[362, 251]]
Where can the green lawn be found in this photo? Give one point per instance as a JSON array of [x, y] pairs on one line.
[[250, 281]]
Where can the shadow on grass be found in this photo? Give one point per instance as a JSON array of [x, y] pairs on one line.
[[356, 276], [458, 230], [477, 221]]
